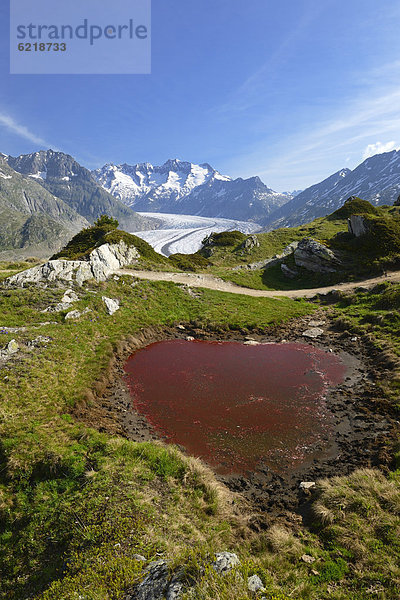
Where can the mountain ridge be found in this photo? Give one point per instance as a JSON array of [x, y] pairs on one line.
[[65, 178], [31, 218], [182, 187], [376, 179]]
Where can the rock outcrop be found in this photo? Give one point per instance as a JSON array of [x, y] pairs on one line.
[[112, 305], [102, 262], [358, 225], [316, 257], [288, 272], [269, 262], [225, 562], [250, 243]]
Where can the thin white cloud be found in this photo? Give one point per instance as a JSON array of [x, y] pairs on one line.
[[317, 149], [254, 89], [379, 148], [20, 130]]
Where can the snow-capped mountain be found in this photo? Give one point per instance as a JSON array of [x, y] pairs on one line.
[[185, 188], [377, 180], [65, 178]]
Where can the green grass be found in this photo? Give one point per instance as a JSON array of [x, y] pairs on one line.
[[76, 504], [70, 495]]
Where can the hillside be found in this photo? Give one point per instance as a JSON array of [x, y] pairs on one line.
[[87, 509], [377, 180], [32, 220], [63, 177], [251, 261]]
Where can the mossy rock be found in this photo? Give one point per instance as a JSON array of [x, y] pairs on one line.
[[84, 242]]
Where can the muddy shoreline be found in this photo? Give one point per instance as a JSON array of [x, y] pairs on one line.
[[364, 430]]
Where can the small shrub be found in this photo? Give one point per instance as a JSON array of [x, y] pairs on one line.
[[189, 262], [106, 220]]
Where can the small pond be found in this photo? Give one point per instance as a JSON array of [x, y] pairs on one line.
[[237, 406]]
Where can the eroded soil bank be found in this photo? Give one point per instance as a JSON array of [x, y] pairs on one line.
[[364, 431]]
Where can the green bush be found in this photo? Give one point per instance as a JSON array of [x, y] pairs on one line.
[[189, 262], [225, 238], [106, 220]]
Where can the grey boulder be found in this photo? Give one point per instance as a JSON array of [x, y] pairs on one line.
[[225, 561], [102, 262], [316, 257]]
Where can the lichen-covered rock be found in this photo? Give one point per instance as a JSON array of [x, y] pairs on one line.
[[313, 332], [250, 243], [316, 257], [154, 585], [225, 561], [12, 347], [76, 314], [103, 261], [269, 262], [254, 584], [175, 587], [111, 305], [307, 485], [358, 225]]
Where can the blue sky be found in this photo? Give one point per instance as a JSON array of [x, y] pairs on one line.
[[290, 90]]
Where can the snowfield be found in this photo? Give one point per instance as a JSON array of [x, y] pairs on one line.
[[184, 233]]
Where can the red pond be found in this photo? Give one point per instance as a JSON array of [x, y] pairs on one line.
[[237, 406]]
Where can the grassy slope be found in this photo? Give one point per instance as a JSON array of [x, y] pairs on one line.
[[358, 257], [75, 505], [70, 495]]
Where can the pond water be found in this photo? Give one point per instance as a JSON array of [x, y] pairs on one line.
[[237, 406]]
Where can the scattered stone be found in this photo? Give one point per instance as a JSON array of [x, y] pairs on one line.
[[354, 339], [251, 343], [250, 243], [175, 588], [307, 485], [316, 257], [307, 558], [189, 338], [41, 340], [112, 305], [7, 330], [76, 314], [139, 557], [70, 296], [180, 327], [288, 272], [313, 332], [316, 323], [12, 347], [225, 561], [254, 584], [314, 572]]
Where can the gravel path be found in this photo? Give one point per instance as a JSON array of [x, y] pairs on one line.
[[214, 283]]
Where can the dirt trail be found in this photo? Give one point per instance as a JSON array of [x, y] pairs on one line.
[[213, 283]]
